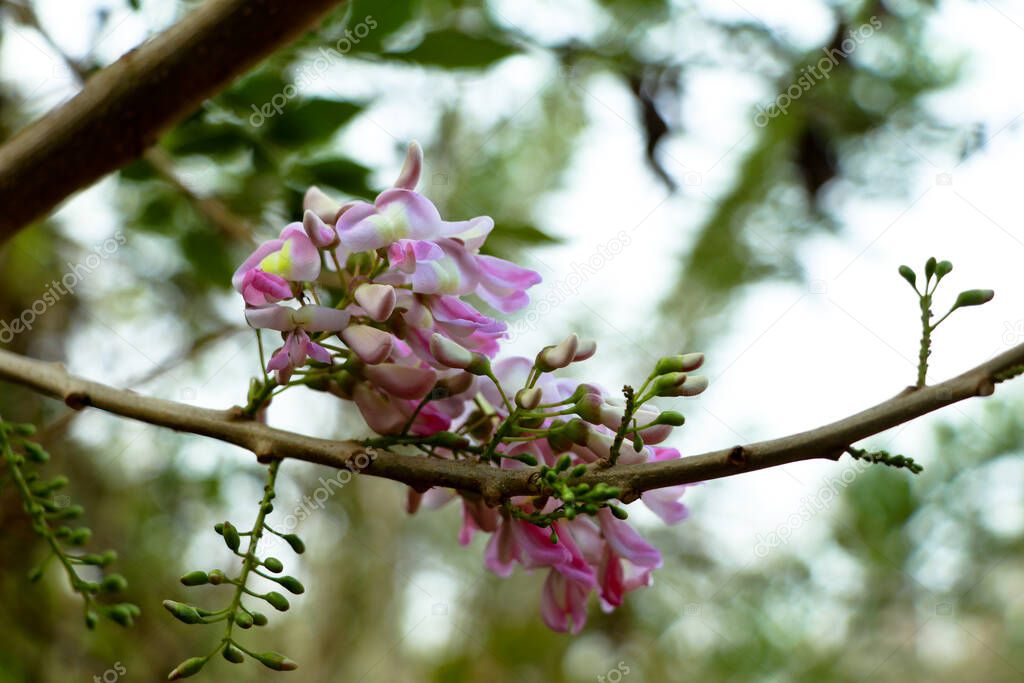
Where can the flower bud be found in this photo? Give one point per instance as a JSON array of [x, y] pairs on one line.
[[321, 204], [450, 353], [528, 399], [672, 418], [292, 585], [929, 267], [243, 619], [233, 654], [687, 362], [585, 349], [943, 269], [377, 300], [320, 234], [908, 274], [370, 344], [974, 297], [182, 612], [275, 661], [273, 564], [295, 542], [114, 583], [259, 619], [277, 601], [454, 355], [231, 537], [189, 667], [196, 578], [559, 355]]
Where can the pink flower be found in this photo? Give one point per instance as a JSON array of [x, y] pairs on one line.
[[265, 277], [296, 323], [563, 603]]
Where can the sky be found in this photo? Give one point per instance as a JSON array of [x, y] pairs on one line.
[[797, 355]]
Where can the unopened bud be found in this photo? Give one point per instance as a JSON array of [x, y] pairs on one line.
[[189, 667], [529, 398], [377, 300], [559, 355], [686, 362]]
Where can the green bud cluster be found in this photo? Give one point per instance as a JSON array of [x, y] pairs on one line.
[[21, 457], [885, 458], [934, 271], [237, 613]]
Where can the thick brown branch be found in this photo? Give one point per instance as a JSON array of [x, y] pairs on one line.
[[124, 108], [494, 484]]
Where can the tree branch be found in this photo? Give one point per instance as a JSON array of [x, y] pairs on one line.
[[828, 441], [123, 109]]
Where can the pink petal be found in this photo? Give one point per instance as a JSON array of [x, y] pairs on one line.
[[270, 318], [370, 344], [377, 300], [409, 176], [626, 542], [401, 380]]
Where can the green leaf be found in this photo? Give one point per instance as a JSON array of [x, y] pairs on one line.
[[310, 121], [335, 172], [453, 49]]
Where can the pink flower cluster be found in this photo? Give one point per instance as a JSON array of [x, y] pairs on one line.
[[398, 274], [388, 282]]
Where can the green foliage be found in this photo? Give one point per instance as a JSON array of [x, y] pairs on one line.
[[454, 49]]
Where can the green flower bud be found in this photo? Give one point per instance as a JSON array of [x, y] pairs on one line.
[[450, 440], [182, 612], [122, 613], [273, 564], [91, 619], [620, 513], [578, 471], [525, 458], [277, 601], [216, 577], [79, 536], [196, 578], [943, 269], [35, 452], [295, 542], [115, 583], [670, 417], [929, 268], [190, 667], [259, 619], [243, 619], [974, 297], [233, 654], [563, 463], [231, 537], [292, 585], [276, 661], [687, 362], [528, 399], [907, 273]]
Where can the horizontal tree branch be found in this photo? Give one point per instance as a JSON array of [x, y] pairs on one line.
[[828, 441], [124, 108]]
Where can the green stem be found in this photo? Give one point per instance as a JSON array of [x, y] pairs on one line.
[[926, 339], [249, 561]]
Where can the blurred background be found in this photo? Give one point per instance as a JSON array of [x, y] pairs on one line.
[[741, 178]]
